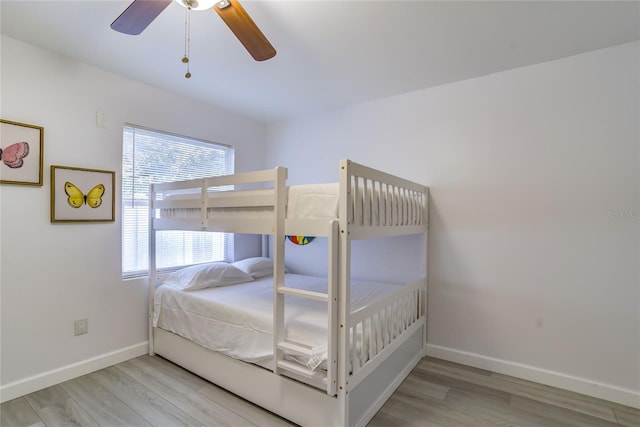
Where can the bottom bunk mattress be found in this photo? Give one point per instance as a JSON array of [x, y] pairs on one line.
[[237, 320]]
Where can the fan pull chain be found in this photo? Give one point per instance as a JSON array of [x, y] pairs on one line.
[[187, 40]]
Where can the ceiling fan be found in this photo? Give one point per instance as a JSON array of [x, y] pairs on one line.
[[141, 13]]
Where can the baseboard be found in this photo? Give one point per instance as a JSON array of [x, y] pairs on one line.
[[556, 379], [47, 379]]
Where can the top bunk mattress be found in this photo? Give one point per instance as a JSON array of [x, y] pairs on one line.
[[237, 320]]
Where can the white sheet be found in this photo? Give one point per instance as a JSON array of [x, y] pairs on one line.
[[237, 320], [313, 201]]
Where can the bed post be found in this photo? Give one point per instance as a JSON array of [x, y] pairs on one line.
[[344, 291], [152, 264], [425, 270], [280, 178], [333, 276]]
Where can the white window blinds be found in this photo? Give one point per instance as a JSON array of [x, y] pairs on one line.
[[150, 157]]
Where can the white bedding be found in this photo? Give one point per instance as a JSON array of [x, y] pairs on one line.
[[313, 201], [237, 320]]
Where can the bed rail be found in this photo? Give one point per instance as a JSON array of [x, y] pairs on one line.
[[378, 204], [219, 192], [380, 328]]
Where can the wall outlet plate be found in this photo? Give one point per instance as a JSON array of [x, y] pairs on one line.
[[81, 326]]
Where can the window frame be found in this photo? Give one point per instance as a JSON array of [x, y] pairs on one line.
[[229, 167]]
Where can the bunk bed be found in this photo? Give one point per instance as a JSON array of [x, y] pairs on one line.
[[370, 345]]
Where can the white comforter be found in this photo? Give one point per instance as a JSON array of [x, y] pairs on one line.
[[237, 320]]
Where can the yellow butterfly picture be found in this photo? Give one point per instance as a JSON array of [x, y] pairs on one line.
[[77, 198], [82, 195]]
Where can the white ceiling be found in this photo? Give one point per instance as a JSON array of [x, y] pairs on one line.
[[330, 53]]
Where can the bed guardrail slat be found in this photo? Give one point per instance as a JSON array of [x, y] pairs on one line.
[[367, 202]]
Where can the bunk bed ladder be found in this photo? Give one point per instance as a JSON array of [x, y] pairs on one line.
[[283, 346]]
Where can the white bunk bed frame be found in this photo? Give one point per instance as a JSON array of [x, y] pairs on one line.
[[372, 204]]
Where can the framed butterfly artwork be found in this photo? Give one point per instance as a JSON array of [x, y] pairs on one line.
[[82, 195], [21, 153]]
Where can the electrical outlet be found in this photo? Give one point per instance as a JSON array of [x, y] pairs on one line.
[[81, 326]]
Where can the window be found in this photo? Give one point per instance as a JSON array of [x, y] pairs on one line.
[[149, 157]]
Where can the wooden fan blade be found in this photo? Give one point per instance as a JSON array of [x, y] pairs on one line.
[[139, 15], [241, 24]]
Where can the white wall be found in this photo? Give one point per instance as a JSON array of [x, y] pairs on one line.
[[534, 242], [52, 274], [534, 239]]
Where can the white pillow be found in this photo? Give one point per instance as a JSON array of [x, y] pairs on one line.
[[207, 275], [256, 267]]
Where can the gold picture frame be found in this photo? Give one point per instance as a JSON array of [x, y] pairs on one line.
[[22, 152], [82, 195]]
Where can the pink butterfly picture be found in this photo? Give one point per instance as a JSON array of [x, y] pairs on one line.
[[14, 154], [21, 152]]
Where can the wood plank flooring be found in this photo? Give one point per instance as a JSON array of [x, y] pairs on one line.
[[150, 391]]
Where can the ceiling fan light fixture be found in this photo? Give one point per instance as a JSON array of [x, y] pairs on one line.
[[140, 13], [196, 4]]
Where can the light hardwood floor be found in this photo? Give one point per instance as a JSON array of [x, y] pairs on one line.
[[150, 391]]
